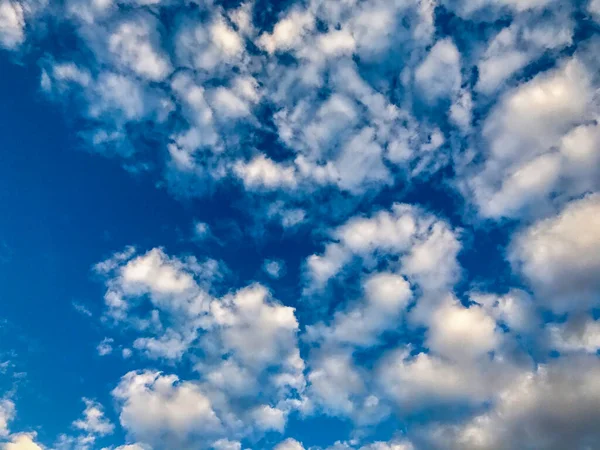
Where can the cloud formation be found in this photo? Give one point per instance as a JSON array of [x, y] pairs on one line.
[[414, 189]]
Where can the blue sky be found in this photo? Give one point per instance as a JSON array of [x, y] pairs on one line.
[[299, 225]]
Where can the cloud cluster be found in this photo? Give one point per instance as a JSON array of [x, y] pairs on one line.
[[411, 148]]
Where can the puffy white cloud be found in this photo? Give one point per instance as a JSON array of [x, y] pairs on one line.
[[160, 408], [439, 74], [169, 283], [427, 246], [12, 24], [269, 418], [594, 9], [265, 173], [551, 408], [559, 256], [105, 347], [225, 444], [385, 297], [132, 447], [523, 168], [94, 421], [460, 333], [22, 441], [258, 330], [521, 43], [7, 414], [289, 444], [426, 380], [580, 333], [243, 346], [335, 382], [515, 309], [134, 45], [274, 268], [225, 38], [288, 32]]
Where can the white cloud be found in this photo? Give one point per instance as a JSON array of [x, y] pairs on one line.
[[132, 447], [426, 380], [23, 441], [594, 9], [523, 168], [12, 24], [560, 256], [105, 347], [201, 230], [225, 444], [580, 333], [519, 44], [460, 333], [335, 382], [7, 414], [225, 38], [269, 418], [94, 420], [338, 42], [257, 329], [426, 246], [439, 74], [160, 408], [243, 345], [288, 32], [386, 295], [134, 45], [554, 407], [274, 268], [514, 309], [265, 173], [289, 444]]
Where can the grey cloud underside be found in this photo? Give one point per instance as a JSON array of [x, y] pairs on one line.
[[311, 114]]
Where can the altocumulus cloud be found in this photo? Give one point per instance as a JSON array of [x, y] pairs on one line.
[[389, 139]]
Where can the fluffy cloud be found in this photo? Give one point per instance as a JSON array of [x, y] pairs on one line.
[[134, 45], [94, 421], [23, 441], [580, 333], [425, 380], [559, 256], [428, 247], [105, 347], [322, 124], [439, 74], [289, 444], [461, 333], [159, 408], [523, 168], [554, 407], [7, 413], [12, 24], [385, 297], [243, 346]]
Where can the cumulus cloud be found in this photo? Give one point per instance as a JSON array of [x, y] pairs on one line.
[[550, 408], [23, 441], [105, 347], [428, 247], [7, 414], [379, 149], [94, 421], [439, 74], [559, 256], [12, 24], [523, 168], [159, 408]]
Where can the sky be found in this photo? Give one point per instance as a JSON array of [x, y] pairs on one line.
[[299, 224]]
